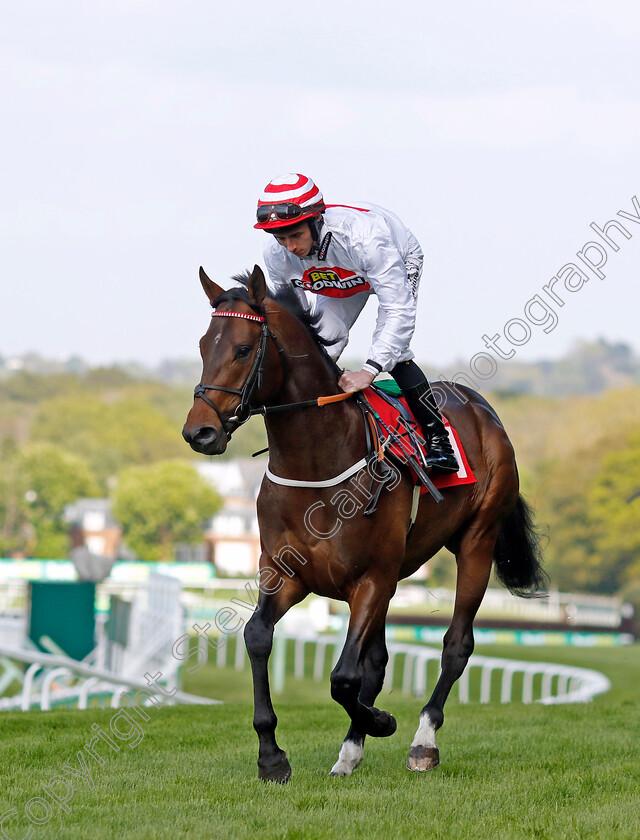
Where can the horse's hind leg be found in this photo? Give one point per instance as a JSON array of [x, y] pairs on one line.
[[474, 567], [352, 749], [273, 765]]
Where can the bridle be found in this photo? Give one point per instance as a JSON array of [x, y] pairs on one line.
[[253, 381]]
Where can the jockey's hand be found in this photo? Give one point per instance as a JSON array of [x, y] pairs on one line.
[[351, 380]]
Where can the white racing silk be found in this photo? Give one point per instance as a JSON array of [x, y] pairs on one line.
[[370, 252]]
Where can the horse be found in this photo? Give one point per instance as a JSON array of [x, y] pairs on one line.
[[263, 353]]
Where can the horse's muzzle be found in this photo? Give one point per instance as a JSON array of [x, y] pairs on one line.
[[205, 439]]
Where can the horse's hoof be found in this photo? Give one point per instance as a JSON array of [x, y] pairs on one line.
[[384, 726], [279, 772], [390, 728], [351, 755], [423, 758]]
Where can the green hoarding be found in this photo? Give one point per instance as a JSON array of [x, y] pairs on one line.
[[63, 611]]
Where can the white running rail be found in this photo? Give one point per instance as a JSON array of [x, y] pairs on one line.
[[88, 681], [541, 682]]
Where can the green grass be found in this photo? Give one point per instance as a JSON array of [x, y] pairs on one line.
[[507, 771]]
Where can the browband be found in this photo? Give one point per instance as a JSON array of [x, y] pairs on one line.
[[244, 315]]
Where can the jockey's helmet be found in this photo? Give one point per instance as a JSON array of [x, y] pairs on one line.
[[288, 200]]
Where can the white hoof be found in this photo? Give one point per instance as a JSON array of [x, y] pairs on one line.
[[350, 757]]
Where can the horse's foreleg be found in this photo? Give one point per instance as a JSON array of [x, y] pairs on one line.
[[352, 749], [273, 764], [474, 567], [369, 606]]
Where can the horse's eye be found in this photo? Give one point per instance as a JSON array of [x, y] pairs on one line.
[[243, 351]]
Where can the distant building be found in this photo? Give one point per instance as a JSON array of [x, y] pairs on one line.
[[233, 533], [231, 537], [93, 525]]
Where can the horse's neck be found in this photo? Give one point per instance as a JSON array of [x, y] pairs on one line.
[[312, 443]]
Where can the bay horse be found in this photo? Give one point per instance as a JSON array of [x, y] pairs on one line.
[[264, 351]]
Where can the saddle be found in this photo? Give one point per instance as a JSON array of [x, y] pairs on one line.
[[399, 439]]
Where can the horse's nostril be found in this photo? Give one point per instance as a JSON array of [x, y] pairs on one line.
[[205, 435], [202, 436]]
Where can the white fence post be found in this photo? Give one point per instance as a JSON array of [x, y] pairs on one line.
[[240, 649]]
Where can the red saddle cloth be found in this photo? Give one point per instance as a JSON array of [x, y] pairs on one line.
[[389, 415]]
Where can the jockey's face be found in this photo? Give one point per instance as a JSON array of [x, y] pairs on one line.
[[298, 240]]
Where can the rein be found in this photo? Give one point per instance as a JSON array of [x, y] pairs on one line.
[[317, 403]]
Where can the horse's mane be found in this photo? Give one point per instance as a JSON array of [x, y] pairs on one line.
[[288, 299]]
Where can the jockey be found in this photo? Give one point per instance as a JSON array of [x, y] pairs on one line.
[[336, 256]]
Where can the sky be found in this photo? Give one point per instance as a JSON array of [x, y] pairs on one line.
[[138, 135]]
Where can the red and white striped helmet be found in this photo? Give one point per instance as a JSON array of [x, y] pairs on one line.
[[288, 200]]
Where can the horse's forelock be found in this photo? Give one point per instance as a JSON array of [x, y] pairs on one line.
[[235, 293]]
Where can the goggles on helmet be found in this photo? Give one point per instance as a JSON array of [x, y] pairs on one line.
[[286, 212]]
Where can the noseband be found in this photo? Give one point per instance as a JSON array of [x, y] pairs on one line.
[[253, 381]]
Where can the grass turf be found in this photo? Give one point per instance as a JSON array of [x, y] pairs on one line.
[[508, 771]]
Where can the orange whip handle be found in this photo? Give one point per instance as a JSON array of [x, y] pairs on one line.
[[334, 398]]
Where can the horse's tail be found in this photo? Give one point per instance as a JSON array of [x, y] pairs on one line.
[[518, 553]]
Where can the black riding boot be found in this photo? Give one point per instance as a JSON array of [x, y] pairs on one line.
[[420, 399]]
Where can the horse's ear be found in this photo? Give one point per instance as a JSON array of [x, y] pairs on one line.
[[257, 286], [211, 289]]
